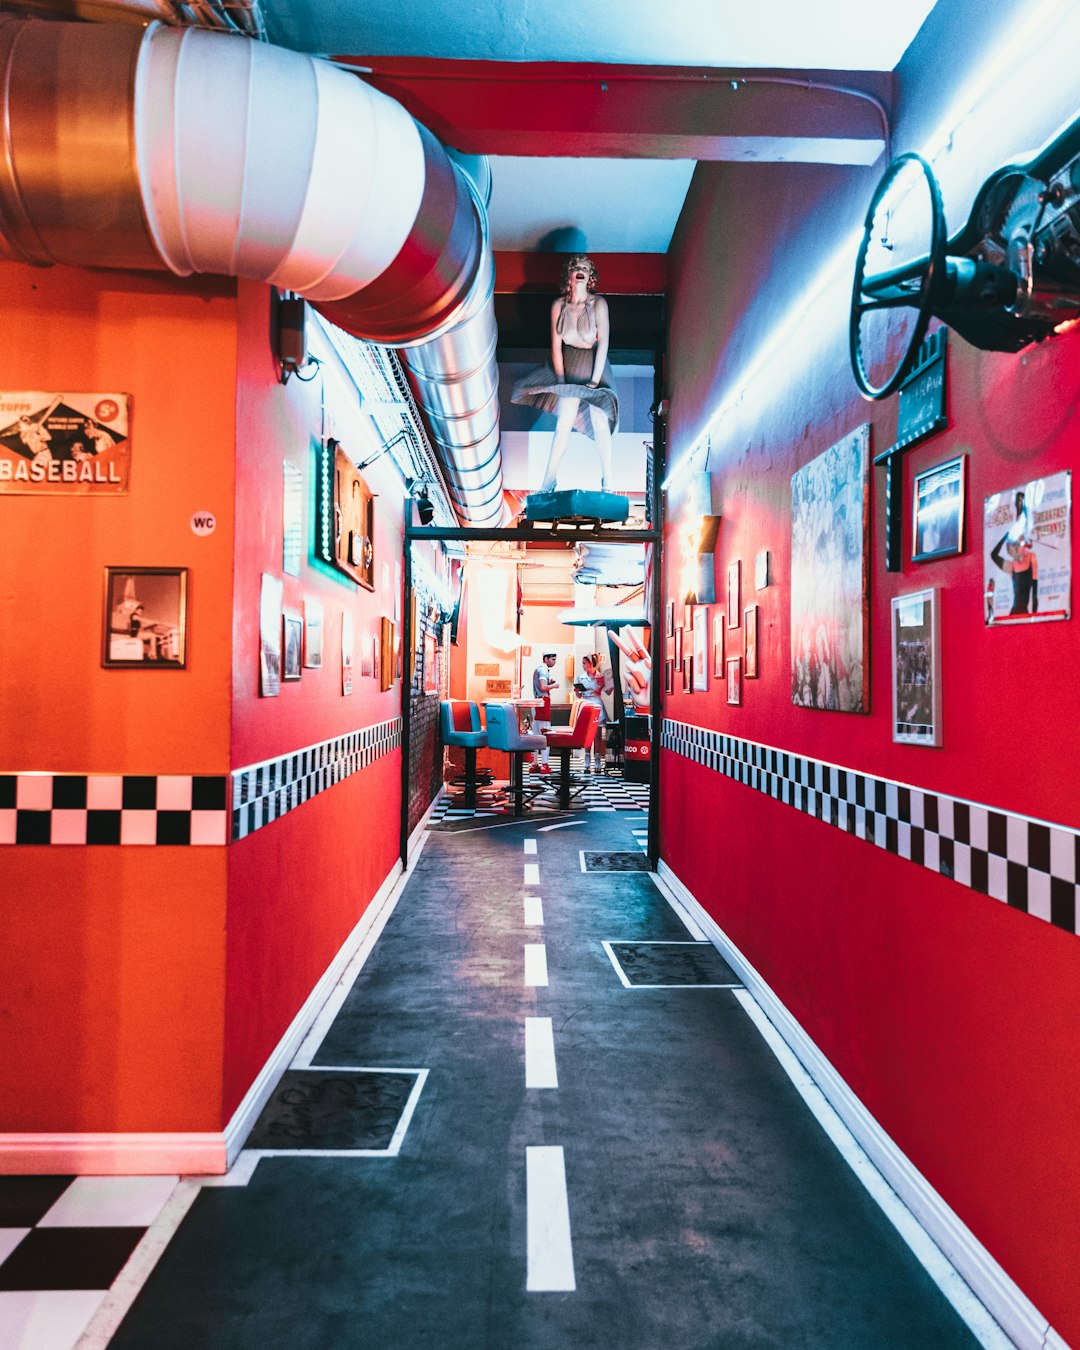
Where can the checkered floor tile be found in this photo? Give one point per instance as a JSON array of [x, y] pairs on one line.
[[603, 792], [63, 1243]]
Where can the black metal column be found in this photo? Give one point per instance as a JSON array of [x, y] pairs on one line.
[[406, 686], [656, 639]]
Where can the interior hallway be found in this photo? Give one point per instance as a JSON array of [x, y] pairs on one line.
[[705, 1206]]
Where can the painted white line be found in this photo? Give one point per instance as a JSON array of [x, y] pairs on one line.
[[550, 1252], [614, 961], [563, 825], [534, 912], [535, 963], [530, 845], [540, 1054], [239, 1174], [114, 1306], [689, 923], [581, 856], [934, 1262], [532, 874]]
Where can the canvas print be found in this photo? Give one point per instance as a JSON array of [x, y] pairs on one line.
[[1027, 554], [916, 659], [830, 666]]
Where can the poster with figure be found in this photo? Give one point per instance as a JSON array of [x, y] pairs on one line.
[[830, 609], [64, 444], [1027, 552]]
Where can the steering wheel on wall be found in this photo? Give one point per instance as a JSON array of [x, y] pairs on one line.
[[913, 285]]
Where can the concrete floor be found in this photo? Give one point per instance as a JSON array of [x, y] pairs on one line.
[[707, 1209]]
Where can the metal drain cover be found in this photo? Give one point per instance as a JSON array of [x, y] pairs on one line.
[[667, 965], [334, 1110], [614, 862]]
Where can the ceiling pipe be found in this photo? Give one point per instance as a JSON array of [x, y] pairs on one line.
[[208, 153]]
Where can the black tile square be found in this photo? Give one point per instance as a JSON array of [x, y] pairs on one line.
[[69, 792], [930, 813], [8, 788], [997, 834], [961, 823], [946, 861], [673, 963], [892, 842], [841, 783], [851, 817], [33, 827], [25, 1200], [903, 804], [69, 1258], [980, 871], [881, 804], [173, 827], [1016, 885], [918, 845], [208, 794], [1038, 846], [103, 827], [140, 793], [330, 1109], [860, 791], [1063, 904]]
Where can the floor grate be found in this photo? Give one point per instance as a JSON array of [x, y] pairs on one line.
[[671, 965], [337, 1111]]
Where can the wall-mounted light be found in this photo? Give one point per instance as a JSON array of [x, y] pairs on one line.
[[290, 318], [425, 507]]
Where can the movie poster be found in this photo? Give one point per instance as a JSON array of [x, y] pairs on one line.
[[61, 444], [829, 599], [1027, 552]]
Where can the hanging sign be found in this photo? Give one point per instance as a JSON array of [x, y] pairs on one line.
[[64, 444]]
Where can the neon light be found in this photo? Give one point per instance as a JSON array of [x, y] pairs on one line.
[[1003, 61]]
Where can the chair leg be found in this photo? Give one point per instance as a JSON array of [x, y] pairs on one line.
[[517, 782], [564, 779], [470, 776]]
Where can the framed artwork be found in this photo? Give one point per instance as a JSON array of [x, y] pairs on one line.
[[734, 679], [292, 518], [375, 657], [750, 643], [670, 618], [271, 593], [347, 640], [734, 592], [292, 659], [688, 616], [830, 611], [1027, 553], [688, 674], [345, 507], [386, 652], [939, 515], [701, 649], [669, 677], [431, 672], [367, 656], [916, 668], [762, 570], [145, 621], [718, 647], [678, 647], [313, 634]]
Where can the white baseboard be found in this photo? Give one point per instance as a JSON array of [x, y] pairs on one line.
[[993, 1287], [107, 1155]]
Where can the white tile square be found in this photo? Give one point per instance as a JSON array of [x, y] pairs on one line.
[[860, 821], [68, 827], [33, 791], [104, 792], [880, 827], [931, 851], [997, 877], [138, 827], [980, 827], [110, 1202], [946, 823], [1063, 854], [892, 801], [1016, 835], [917, 818], [962, 864], [7, 825], [1039, 895], [174, 792], [46, 1319], [9, 1240], [208, 827], [903, 839]]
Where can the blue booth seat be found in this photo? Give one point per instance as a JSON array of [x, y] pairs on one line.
[[460, 723], [504, 733]]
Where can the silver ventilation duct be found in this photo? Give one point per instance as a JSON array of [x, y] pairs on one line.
[[205, 152]]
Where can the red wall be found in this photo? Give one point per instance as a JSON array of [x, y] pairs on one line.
[[952, 1017]]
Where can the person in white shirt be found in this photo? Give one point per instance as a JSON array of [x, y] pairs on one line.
[[543, 684], [590, 688]]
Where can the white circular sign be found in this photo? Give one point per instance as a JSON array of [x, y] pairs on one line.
[[203, 522]]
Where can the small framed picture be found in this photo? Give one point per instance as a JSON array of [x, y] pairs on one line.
[[939, 515], [678, 648], [431, 675], [718, 647], [688, 616], [762, 570], [271, 590], [701, 649], [348, 638], [293, 645], [313, 634], [671, 618], [734, 679], [916, 668], [688, 674], [367, 656], [734, 593], [387, 651], [750, 642], [669, 677], [145, 621]]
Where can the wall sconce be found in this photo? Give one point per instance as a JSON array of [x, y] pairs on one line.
[[289, 317], [425, 507]]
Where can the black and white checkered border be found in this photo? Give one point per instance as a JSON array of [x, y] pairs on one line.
[[263, 793], [69, 808], [1029, 864]]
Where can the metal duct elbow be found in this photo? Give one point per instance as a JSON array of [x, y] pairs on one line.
[[204, 152]]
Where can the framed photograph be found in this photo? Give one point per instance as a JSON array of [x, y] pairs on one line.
[[678, 647], [145, 621], [750, 644], [348, 639], [916, 668], [1027, 552], [271, 592], [669, 677], [671, 618], [688, 674], [734, 679], [701, 649], [313, 634], [830, 597], [293, 645], [718, 647], [762, 570], [939, 516], [734, 592], [367, 656]]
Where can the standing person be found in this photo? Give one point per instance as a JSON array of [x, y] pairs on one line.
[[577, 386], [543, 684], [591, 687]]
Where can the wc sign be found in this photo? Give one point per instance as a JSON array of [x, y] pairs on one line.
[[203, 522]]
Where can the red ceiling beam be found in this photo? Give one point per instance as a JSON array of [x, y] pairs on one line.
[[620, 273]]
